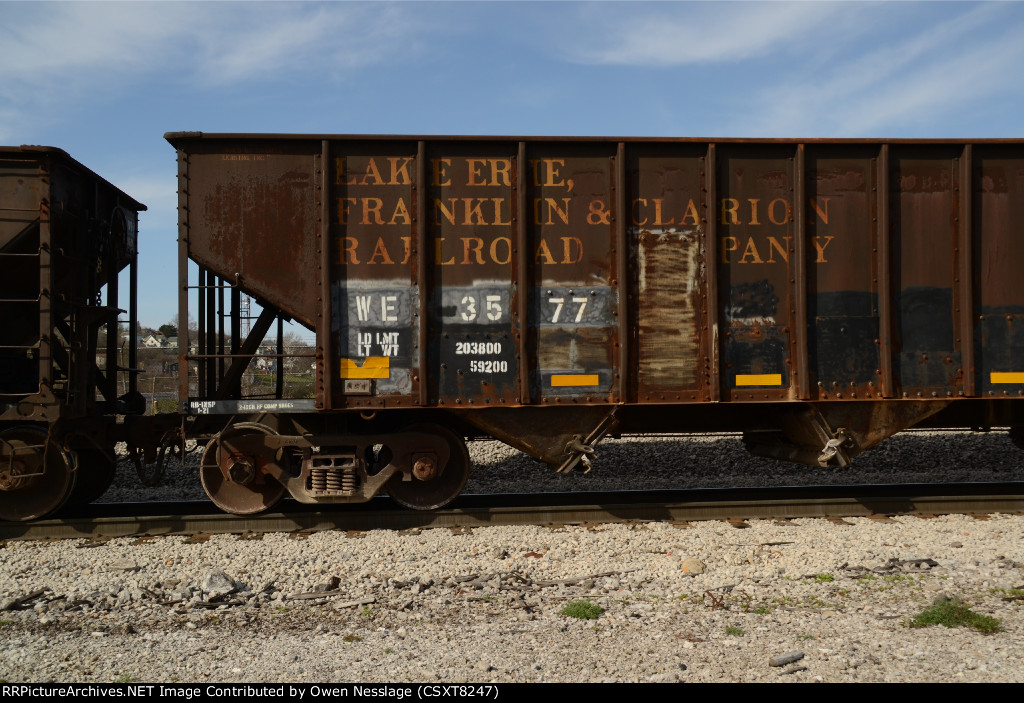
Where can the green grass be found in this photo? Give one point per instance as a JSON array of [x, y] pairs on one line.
[[733, 630], [166, 405], [582, 610], [954, 614], [366, 612], [126, 678], [898, 578], [1005, 592], [824, 578]]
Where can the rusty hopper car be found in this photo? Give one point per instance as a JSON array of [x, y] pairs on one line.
[[65, 234], [818, 296]]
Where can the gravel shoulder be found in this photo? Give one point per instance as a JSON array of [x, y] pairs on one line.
[[701, 602]]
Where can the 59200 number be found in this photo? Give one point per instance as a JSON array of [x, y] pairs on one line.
[[488, 366]]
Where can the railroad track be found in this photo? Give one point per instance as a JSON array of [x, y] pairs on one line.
[[197, 517]]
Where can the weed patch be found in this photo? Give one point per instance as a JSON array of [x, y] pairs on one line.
[[954, 614], [582, 610]]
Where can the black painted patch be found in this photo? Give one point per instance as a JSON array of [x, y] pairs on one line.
[[925, 319], [755, 342], [843, 336], [999, 348], [924, 349], [473, 350]]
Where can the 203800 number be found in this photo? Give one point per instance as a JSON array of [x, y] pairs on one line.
[[478, 347]]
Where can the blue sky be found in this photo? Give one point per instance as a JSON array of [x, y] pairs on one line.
[[104, 81]]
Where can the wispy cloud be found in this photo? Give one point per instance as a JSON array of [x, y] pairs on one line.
[[57, 53], [663, 34], [934, 69], [324, 39]]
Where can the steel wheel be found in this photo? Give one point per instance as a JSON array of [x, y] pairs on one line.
[[235, 482], [93, 476], [446, 483], [35, 475]]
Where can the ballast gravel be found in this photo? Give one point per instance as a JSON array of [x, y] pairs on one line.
[[694, 461], [485, 605], [709, 601]]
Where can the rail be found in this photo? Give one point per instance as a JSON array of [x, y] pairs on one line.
[[183, 518]]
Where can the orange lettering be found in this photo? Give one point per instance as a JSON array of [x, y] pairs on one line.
[[380, 251], [543, 250], [440, 168], [753, 210], [372, 206], [401, 213], [405, 243], [498, 202], [822, 211], [503, 171], [636, 211], [372, 172], [474, 166], [786, 211], [728, 244], [751, 251], [820, 246], [339, 173], [658, 221], [347, 250], [440, 209], [508, 250], [342, 209], [691, 212], [474, 244], [473, 214], [545, 173], [567, 247], [730, 206], [399, 171], [437, 253], [774, 245]]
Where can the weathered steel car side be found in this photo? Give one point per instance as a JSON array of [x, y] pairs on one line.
[[65, 234], [817, 295]]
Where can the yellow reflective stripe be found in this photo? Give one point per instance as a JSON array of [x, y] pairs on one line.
[[373, 367], [759, 379], [574, 379], [1006, 377]]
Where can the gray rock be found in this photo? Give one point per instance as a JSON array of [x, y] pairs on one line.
[[692, 566], [787, 658], [216, 584]]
